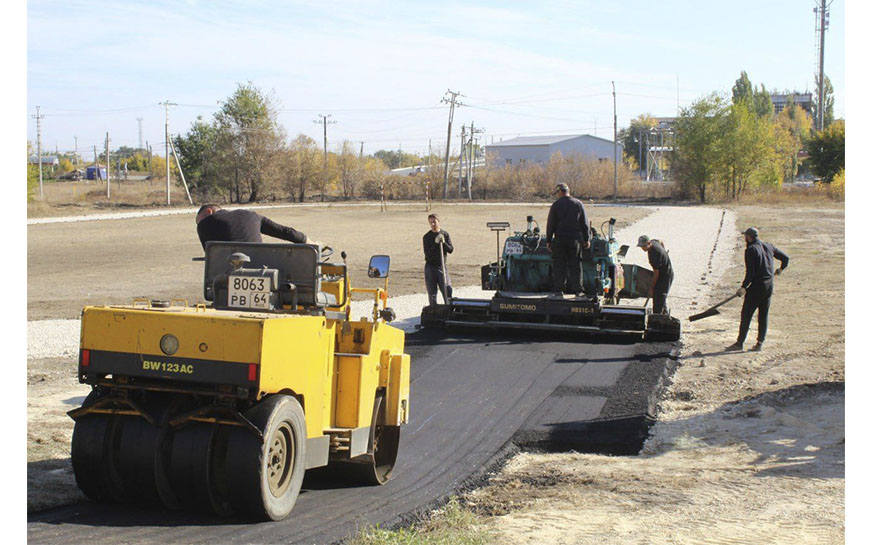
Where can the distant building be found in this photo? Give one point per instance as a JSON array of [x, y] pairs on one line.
[[49, 160], [781, 100], [539, 149]]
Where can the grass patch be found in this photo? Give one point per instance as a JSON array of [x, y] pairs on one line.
[[452, 525]]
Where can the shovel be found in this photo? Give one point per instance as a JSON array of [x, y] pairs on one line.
[[712, 311]]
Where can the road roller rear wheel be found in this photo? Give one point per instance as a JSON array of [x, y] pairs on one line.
[[138, 448], [94, 455], [265, 476], [376, 466], [192, 471]]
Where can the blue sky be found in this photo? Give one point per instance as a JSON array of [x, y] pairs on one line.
[[380, 68]]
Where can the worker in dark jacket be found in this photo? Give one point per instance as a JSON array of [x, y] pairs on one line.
[[760, 273], [214, 223], [567, 234], [437, 245], [658, 257]]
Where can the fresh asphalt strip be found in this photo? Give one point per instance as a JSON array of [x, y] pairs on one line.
[[473, 396]]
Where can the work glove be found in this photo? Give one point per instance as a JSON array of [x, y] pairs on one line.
[[740, 292], [778, 271], [440, 238]]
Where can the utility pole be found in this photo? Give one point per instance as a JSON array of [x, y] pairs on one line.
[[453, 101], [615, 110], [324, 121], [460, 164], [139, 121], [150, 173], [76, 156], [822, 23], [166, 104], [39, 146], [107, 166], [473, 142]]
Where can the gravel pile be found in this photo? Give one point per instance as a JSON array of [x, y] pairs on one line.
[[699, 240]]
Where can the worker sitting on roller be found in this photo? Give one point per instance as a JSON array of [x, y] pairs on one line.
[[214, 223], [567, 234], [658, 257]]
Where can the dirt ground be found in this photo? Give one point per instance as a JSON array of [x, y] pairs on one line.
[[71, 265], [750, 447]]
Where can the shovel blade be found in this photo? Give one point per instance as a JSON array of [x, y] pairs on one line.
[[706, 314]]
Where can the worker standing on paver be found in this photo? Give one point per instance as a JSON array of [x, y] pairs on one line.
[[658, 257], [567, 234], [437, 245], [757, 287]]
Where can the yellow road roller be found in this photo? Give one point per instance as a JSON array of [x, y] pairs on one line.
[[222, 407]]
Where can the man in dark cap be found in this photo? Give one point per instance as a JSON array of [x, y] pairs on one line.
[[757, 286], [568, 232], [658, 257], [215, 223]]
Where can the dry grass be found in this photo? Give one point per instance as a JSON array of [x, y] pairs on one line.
[[68, 198], [454, 524]]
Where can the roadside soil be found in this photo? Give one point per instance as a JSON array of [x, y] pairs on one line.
[[71, 265], [749, 446]]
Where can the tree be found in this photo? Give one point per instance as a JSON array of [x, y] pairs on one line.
[[397, 158], [634, 135], [758, 101], [32, 174], [743, 90], [249, 142], [348, 166], [697, 159], [197, 155], [747, 149], [829, 102], [826, 151], [302, 165], [792, 131]]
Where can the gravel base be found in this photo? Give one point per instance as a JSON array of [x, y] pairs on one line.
[[692, 236]]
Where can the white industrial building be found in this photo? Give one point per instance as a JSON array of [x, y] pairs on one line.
[[539, 149]]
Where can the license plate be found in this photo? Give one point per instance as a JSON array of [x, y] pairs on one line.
[[514, 248], [249, 292]]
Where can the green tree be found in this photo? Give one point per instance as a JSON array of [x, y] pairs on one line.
[[826, 151], [829, 101], [197, 155], [743, 90], [249, 142], [397, 158], [697, 160], [32, 174], [746, 148], [758, 101], [631, 137]]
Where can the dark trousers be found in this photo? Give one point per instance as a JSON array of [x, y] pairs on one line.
[[435, 281], [661, 290], [566, 258], [757, 298]]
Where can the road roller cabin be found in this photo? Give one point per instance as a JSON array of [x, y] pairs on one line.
[[221, 408]]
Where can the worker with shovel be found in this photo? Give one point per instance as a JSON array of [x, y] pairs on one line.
[[437, 244], [757, 286]]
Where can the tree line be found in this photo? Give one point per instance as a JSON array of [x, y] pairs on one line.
[[727, 147], [243, 154]]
